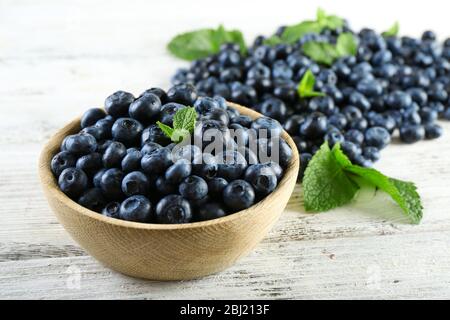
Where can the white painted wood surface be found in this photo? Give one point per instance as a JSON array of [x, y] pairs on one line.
[[58, 58]]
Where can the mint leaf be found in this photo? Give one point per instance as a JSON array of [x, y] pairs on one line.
[[392, 31], [331, 22], [305, 88], [179, 134], [293, 33], [185, 119], [201, 43], [273, 40], [168, 131], [321, 52], [346, 44], [325, 183]]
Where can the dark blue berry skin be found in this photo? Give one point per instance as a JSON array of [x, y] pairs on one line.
[[337, 120], [351, 113], [419, 96], [91, 116], [360, 160], [243, 120], [191, 153], [355, 136], [193, 188], [160, 93], [153, 133], [118, 103], [92, 199], [428, 115], [433, 131], [315, 126], [208, 131], [97, 179], [262, 178], [238, 195], [90, 163], [173, 209], [164, 187], [371, 153], [127, 131], [145, 108], [209, 211], [410, 133], [284, 151], [96, 131], [73, 182], [273, 108], [204, 105], [112, 158], [219, 115], [156, 161], [351, 149], [360, 101], [383, 120], [243, 94], [132, 160], [80, 144], [411, 117], [112, 210], [369, 88], [324, 105], [168, 111], [207, 169], [111, 184], [377, 137], [104, 126], [293, 123], [183, 93], [231, 165], [149, 147], [304, 161], [360, 124], [267, 127], [61, 161], [178, 171], [137, 209], [135, 183], [334, 136], [216, 186], [398, 100], [276, 168]]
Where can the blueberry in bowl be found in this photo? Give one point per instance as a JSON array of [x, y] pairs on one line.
[[140, 201]]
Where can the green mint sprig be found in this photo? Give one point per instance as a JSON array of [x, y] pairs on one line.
[[326, 53], [305, 88], [331, 180], [201, 43], [183, 124], [392, 31]]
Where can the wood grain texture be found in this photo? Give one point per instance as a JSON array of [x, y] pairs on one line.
[[59, 58], [166, 252]]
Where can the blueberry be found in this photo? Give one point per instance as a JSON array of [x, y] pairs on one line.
[[360, 124], [322, 104], [398, 100], [267, 127], [209, 211], [137, 209], [216, 186], [156, 161], [61, 161], [111, 184], [145, 108], [153, 133], [239, 134], [96, 131], [168, 111], [304, 161], [118, 103], [371, 153], [360, 160], [238, 195], [229, 58], [173, 209], [284, 151], [149, 147], [80, 144], [127, 131], [190, 152], [208, 131], [410, 133], [360, 101], [219, 115], [104, 126], [243, 94], [243, 120], [72, 182], [193, 188], [204, 105], [276, 168], [383, 120], [132, 160], [433, 131], [97, 179], [183, 93], [164, 187], [273, 108], [114, 154], [91, 116], [351, 113], [355, 136], [428, 36], [369, 88], [351, 149], [334, 136], [90, 163], [428, 115], [135, 183], [315, 126], [92, 199], [178, 171], [258, 71], [281, 70], [293, 123], [231, 165], [285, 90], [262, 178], [160, 93], [112, 210], [411, 117], [337, 120], [377, 137]]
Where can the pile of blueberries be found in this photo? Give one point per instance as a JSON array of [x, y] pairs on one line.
[[122, 165], [393, 84]]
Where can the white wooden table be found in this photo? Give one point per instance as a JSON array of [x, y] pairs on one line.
[[58, 58]]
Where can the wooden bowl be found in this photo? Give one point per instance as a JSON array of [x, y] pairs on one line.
[[159, 251]]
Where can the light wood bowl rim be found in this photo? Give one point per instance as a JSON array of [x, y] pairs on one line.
[[48, 182]]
